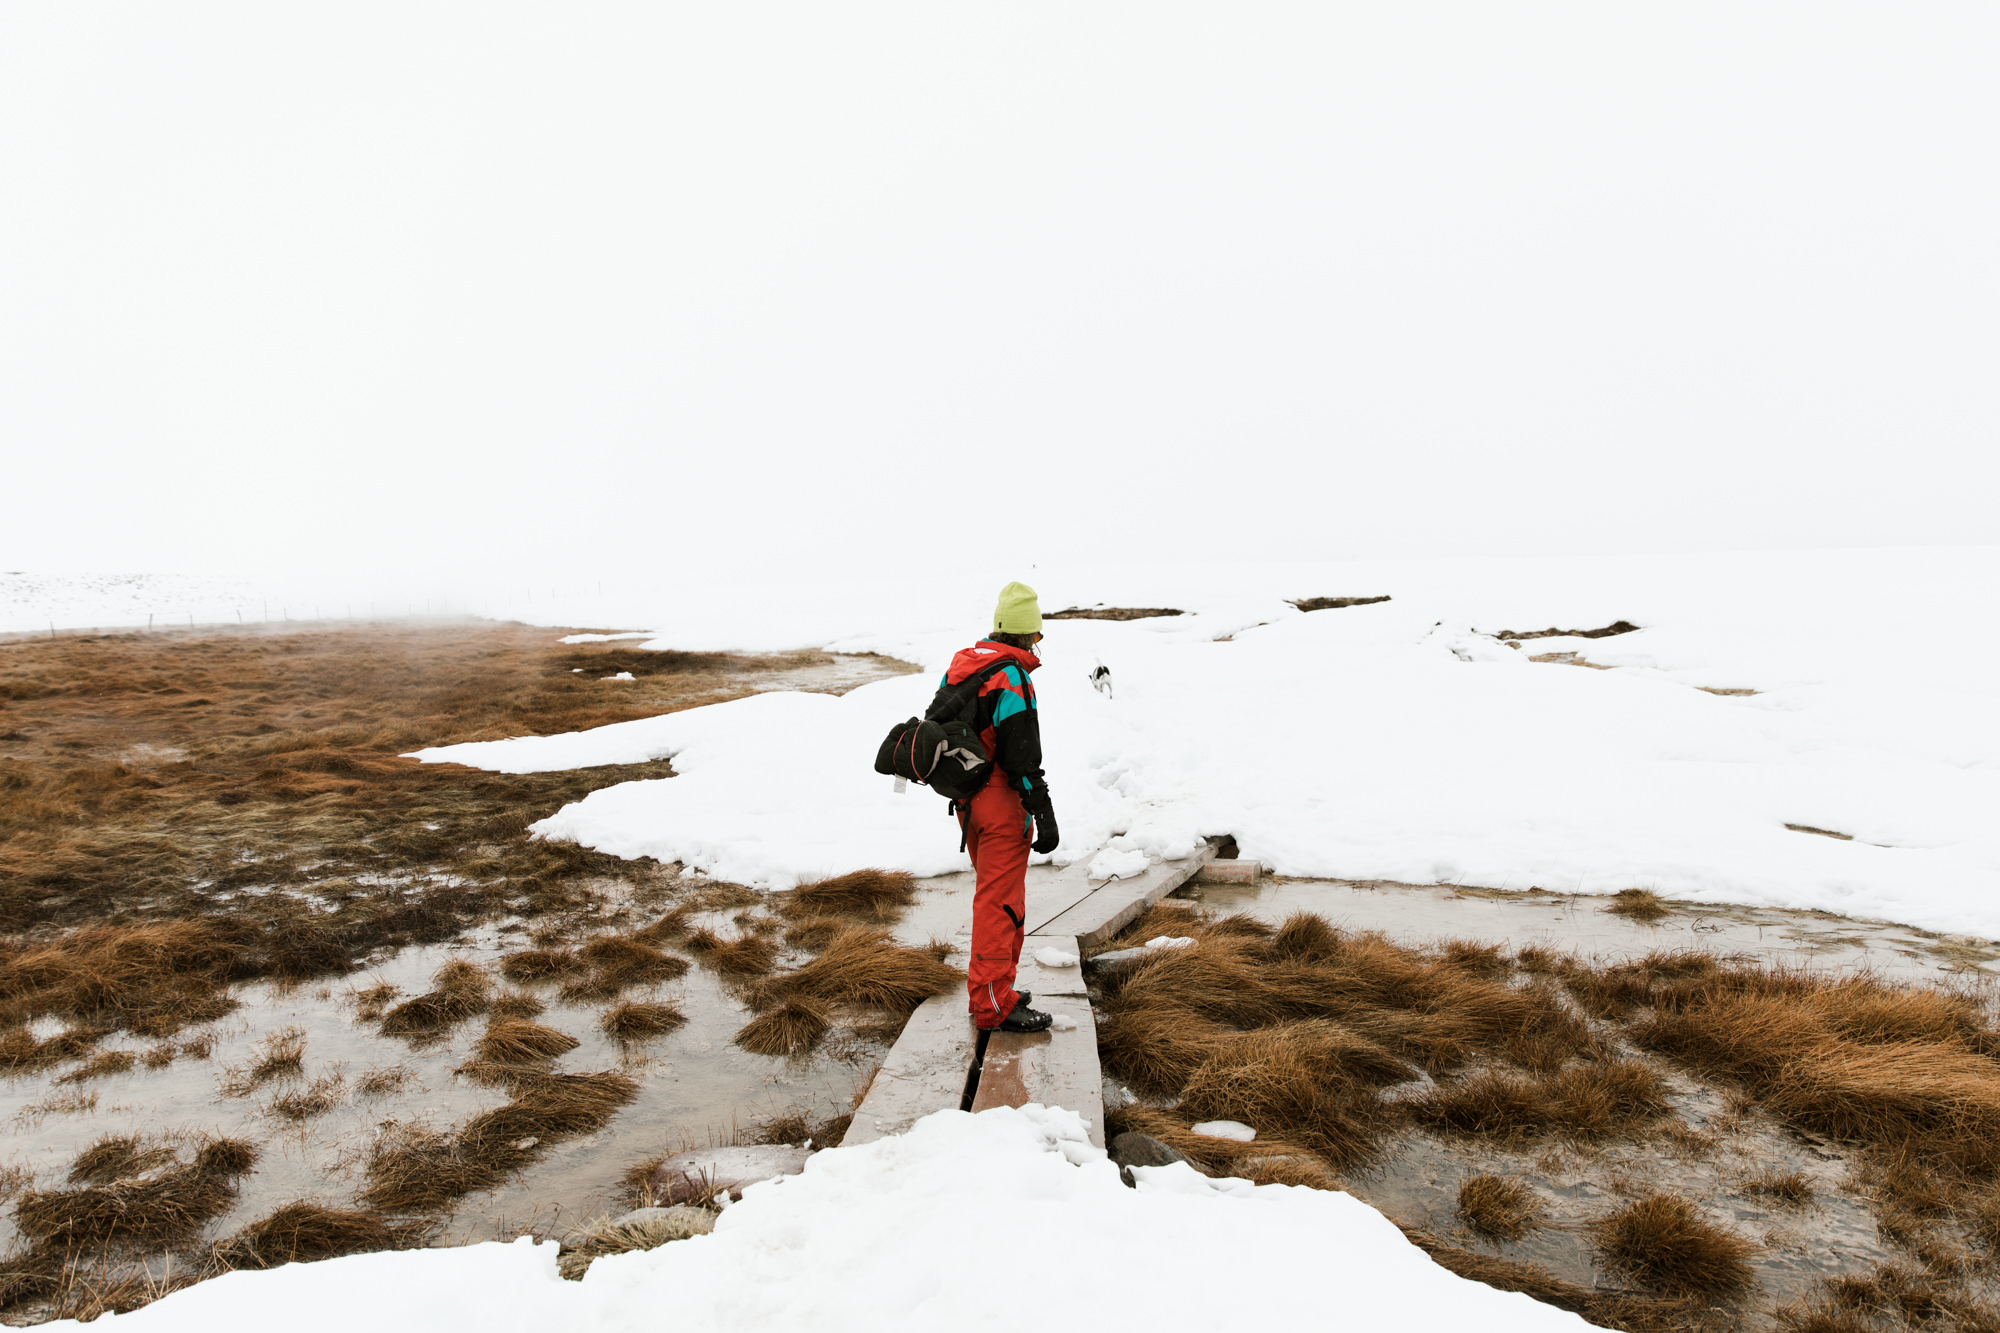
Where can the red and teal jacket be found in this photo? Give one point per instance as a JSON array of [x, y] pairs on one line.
[[1009, 726]]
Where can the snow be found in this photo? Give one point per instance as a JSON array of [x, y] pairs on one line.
[[874, 1237], [1169, 942], [1226, 1129], [1400, 741], [1049, 956], [1118, 865], [605, 638], [1062, 1022], [622, 675]]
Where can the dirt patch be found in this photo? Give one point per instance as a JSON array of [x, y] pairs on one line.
[[1335, 603], [1113, 613], [1601, 632], [1822, 832]]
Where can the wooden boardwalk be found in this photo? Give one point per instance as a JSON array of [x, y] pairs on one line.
[[940, 1062]]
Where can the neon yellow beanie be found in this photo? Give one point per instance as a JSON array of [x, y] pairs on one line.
[[1019, 612]]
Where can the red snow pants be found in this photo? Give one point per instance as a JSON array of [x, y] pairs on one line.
[[996, 837]]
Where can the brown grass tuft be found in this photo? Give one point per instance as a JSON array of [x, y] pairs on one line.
[[1307, 1172], [792, 1028], [1638, 905], [744, 956], [637, 1022], [460, 991], [101, 1065], [875, 895], [814, 933], [1787, 1189], [1499, 1206], [1585, 1102], [515, 1004], [382, 1082], [1663, 1242], [116, 1156], [302, 1232], [541, 965], [314, 1099], [521, 1041], [165, 1206], [862, 966], [418, 1171], [1635, 1314]]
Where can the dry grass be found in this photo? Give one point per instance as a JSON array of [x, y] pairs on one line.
[[792, 1028], [541, 965], [861, 966], [417, 1171], [1585, 1102], [165, 769], [116, 1156], [1787, 1189], [617, 962], [1635, 1314], [151, 980], [1663, 1242], [605, 1236], [1638, 905], [461, 989], [165, 1204], [1909, 1072], [638, 1022], [314, 1099], [874, 895], [20, 1053], [522, 1041], [747, 955], [1499, 1206], [515, 1004], [1893, 1296], [101, 1065], [383, 1082], [302, 1232]]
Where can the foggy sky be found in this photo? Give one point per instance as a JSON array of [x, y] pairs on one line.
[[659, 286]]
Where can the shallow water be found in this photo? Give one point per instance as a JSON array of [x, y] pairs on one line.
[[695, 1088], [1579, 924], [1418, 1183]]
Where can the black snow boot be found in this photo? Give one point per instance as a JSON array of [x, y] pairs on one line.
[[1024, 1019]]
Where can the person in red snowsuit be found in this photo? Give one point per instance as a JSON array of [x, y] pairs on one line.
[[997, 819]]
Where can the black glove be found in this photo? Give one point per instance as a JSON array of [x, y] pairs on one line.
[[1037, 804]]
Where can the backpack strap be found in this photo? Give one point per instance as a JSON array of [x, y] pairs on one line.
[[956, 700]]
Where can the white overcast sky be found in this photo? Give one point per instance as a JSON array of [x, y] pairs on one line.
[[561, 286]]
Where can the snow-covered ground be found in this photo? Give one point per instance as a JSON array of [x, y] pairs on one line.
[[996, 1221], [1400, 740]]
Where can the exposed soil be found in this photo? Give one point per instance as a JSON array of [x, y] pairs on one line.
[[1335, 603], [1602, 632], [1113, 613]]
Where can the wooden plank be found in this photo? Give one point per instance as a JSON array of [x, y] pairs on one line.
[[926, 1070], [1049, 982], [1053, 1068], [1049, 898], [1116, 905]]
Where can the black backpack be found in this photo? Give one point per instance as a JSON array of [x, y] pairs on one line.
[[941, 749]]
